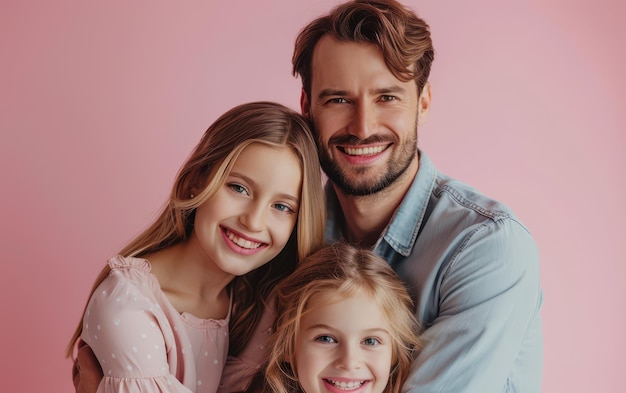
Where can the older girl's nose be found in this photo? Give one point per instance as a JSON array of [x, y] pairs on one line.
[[254, 218]]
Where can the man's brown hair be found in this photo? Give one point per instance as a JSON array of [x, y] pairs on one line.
[[403, 38]]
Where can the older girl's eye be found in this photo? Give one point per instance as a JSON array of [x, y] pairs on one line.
[[371, 341], [284, 208], [238, 188], [325, 339]]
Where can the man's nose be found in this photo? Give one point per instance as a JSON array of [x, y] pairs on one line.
[[363, 120]]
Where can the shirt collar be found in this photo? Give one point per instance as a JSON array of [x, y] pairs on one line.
[[406, 222]]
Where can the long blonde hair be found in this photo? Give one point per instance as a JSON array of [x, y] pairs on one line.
[[205, 172], [343, 271]]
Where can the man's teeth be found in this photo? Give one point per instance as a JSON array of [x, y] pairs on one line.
[[361, 151], [243, 243], [346, 385]]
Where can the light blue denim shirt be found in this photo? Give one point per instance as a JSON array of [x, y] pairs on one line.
[[473, 270]]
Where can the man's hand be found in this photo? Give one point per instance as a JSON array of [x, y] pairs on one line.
[[86, 372]]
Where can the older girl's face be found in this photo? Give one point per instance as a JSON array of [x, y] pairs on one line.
[[344, 345], [251, 217]]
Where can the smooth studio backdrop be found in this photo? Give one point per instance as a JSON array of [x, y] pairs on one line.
[[101, 102]]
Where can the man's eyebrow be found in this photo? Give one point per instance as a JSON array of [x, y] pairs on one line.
[[394, 89], [389, 89], [331, 92]]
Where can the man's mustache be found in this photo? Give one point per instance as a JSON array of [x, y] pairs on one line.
[[354, 140]]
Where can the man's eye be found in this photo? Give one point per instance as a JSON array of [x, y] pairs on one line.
[[338, 100], [238, 188], [387, 98], [325, 339], [371, 341]]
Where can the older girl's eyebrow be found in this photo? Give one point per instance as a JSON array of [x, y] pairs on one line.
[[249, 180]]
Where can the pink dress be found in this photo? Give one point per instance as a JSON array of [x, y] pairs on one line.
[[143, 344]]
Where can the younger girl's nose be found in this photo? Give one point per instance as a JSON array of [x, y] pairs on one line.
[[348, 357]]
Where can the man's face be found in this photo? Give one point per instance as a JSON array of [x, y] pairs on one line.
[[365, 118]]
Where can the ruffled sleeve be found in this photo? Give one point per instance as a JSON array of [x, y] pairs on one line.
[[128, 333]]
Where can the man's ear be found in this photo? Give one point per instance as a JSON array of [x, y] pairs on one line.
[[423, 106], [305, 106]]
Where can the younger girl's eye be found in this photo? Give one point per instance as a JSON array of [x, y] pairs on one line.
[[371, 341], [238, 188], [325, 339], [284, 208]]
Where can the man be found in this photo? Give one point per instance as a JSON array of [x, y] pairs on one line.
[[470, 265]]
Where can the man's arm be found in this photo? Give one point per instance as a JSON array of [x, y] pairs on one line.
[[240, 370], [487, 334]]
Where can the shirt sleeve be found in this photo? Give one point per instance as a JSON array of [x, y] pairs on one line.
[[489, 305], [130, 340]]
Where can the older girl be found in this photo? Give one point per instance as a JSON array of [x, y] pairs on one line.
[[246, 206]]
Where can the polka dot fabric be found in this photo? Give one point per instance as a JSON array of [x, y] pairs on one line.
[[143, 343]]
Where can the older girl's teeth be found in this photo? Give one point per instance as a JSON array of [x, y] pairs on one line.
[[243, 243], [361, 151], [346, 385]]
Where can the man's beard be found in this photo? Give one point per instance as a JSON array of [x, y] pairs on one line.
[[395, 166]]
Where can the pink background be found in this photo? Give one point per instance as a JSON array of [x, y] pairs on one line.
[[102, 101]]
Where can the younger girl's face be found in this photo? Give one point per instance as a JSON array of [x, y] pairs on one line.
[[343, 346], [251, 217]]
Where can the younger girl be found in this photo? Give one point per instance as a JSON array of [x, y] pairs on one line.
[[246, 206], [345, 323]]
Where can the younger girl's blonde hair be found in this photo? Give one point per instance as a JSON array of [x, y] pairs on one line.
[[341, 271], [205, 172]]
